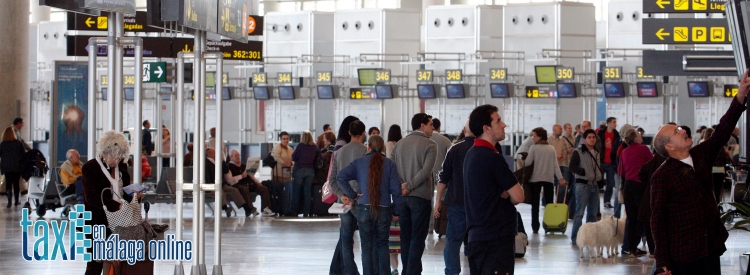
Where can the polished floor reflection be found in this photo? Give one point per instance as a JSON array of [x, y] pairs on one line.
[[305, 246]]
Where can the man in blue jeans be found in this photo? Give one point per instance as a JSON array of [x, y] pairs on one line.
[[343, 256], [414, 156], [452, 178], [585, 164]]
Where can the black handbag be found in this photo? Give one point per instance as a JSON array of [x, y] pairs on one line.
[[269, 161]]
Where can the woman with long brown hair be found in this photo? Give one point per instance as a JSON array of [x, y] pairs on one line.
[[11, 151], [379, 187]]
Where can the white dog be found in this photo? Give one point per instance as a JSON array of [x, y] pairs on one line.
[[606, 233]]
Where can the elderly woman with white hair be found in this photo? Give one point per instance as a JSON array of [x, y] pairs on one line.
[[107, 170]]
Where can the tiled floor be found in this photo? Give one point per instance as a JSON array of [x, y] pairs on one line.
[[305, 246]]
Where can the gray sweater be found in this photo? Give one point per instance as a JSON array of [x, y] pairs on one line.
[[586, 165], [544, 158], [443, 143], [341, 158], [414, 156]]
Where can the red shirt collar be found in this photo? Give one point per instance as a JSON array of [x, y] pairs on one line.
[[484, 143]]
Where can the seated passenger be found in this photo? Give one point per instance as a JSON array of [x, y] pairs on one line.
[[188, 161], [240, 178], [239, 195], [70, 171]]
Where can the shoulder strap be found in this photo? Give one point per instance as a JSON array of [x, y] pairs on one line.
[[566, 139]]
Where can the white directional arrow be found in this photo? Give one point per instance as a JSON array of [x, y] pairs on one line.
[[159, 71]]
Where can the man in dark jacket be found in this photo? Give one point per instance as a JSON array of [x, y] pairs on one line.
[[688, 233], [609, 142], [148, 145]]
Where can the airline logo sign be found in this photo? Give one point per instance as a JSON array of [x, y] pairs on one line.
[[685, 31], [683, 6]]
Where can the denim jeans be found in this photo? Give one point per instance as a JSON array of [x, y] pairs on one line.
[[373, 233], [303, 180], [415, 220], [454, 237], [587, 199], [343, 256], [609, 173]]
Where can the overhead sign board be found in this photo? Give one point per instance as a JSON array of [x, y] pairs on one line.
[[672, 63], [232, 50], [152, 47], [124, 6], [612, 73], [324, 77], [383, 76], [69, 5], [731, 90], [199, 14], [683, 6], [284, 78], [259, 78], [639, 74], [233, 19], [362, 93], [499, 74], [685, 31], [133, 22], [540, 92], [155, 72], [565, 73], [453, 75], [254, 25]]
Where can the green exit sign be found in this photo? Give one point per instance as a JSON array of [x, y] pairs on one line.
[[155, 72]]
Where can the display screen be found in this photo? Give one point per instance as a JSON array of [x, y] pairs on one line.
[[426, 91], [499, 90], [646, 89], [210, 79], [698, 89], [566, 90], [129, 94], [261, 93], [165, 97], [455, 90], [614, 89], [226, 93], [383, 91], [104, 94], [366, 77], [286, 92], [545, 74], [325, 92]]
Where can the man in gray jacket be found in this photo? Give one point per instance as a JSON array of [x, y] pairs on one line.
[[586, 165], [414, 156], [341, 158]]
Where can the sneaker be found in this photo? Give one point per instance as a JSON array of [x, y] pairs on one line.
[[268, 213], [608, 205], [640, 253], [394, 272], [255, 212]]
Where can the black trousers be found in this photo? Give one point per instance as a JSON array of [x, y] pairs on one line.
[[12, 185], [536, 189], [709, 265], [492, 257], [633, 194], [718, 180]]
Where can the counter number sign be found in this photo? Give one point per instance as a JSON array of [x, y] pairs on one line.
[[499, 74], [453, 75], [565, 73], [382, 76], [324, 77], [640, 74], [424, 75], [612, 72], [259, 78], [284, 78]]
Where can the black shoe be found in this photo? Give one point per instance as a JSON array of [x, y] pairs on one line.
[[608, 205], [17, 203], [8, 205], [227, 210]]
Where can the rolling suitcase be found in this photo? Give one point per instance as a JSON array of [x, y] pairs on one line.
[[290, 199], [556, 217], [318, 207], [275, 189]]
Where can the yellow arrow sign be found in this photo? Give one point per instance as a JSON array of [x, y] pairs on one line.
[[660, 33], [89, 22], [661, 3]]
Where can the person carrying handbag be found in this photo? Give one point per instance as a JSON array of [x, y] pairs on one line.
[[106, 171]]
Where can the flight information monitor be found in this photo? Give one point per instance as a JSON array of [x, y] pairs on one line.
[[426, 91], [366, 77], [104, 94], [567, 90], [647, 89], [226, 93], [129, 94], [545, 74], [261, 93], [384, 91], [325, 91], [286, 93], [455, 91], [698, 89], [499, 90], [614, 89]]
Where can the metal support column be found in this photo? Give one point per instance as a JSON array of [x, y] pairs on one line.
[[180, 150], [119, 68], [91, 138], [138, 101], [111, 65], [217, 270]]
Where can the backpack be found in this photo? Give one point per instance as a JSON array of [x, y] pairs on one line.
[[521, 242]]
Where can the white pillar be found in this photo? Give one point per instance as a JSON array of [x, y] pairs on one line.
[[38, 13]]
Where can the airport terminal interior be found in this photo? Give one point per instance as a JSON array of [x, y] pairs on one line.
[[261, 76]]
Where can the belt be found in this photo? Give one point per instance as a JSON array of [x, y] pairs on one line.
[[583, 181]]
